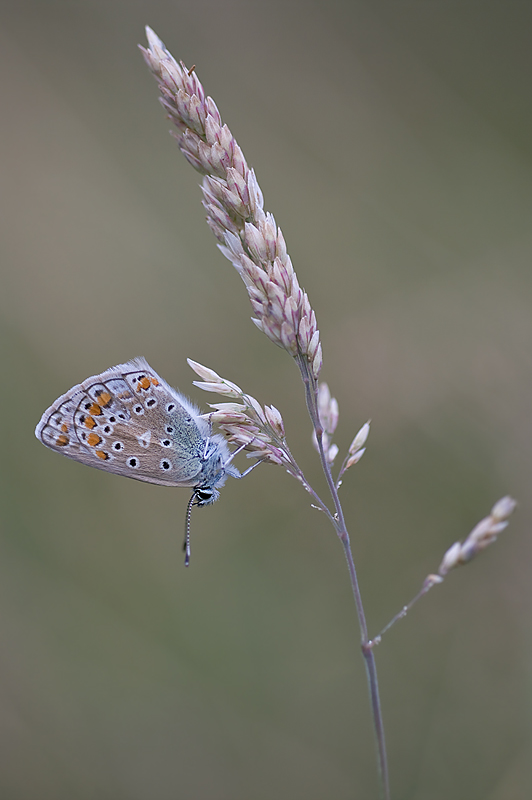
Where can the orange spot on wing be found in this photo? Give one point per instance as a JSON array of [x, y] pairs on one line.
[[144, 383], [102, 454], [105, 398], [95, 410], [62, 440], [64, 427], [154, 381], [93, 439], [89, 423]]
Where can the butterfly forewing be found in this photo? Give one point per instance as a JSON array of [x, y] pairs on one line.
[[128, 421]]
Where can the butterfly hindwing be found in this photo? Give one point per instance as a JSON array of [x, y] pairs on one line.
[[129, 421]]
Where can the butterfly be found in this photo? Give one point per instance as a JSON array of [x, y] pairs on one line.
[[129, 421]]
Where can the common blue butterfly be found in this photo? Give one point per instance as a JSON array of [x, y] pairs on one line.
[[129, 421]]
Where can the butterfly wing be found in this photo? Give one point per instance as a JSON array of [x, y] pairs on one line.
[[129, 421]]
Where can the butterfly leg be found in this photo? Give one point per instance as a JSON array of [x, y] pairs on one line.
[[256, 464]]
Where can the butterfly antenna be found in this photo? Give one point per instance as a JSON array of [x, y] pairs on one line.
[[186, 543]]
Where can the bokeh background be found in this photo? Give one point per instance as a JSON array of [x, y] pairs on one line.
[[392, 141]]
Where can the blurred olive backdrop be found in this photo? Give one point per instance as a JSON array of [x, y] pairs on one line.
[[392, 141]]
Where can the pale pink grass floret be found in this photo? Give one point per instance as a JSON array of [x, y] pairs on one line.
[[482, 535], [248, 236], [328, 413], [246, 422]]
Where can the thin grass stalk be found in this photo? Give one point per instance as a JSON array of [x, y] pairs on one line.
[[311, 395], [250, 238]]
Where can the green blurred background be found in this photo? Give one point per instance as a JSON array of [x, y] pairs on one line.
[[392, 141]]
